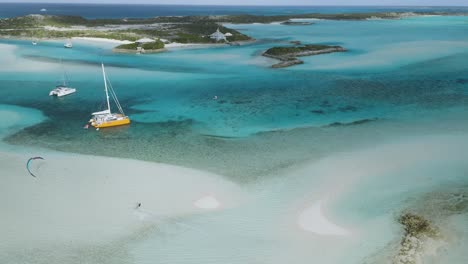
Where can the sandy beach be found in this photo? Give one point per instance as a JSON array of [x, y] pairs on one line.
[[105, 40], [90, 199], [356, 157], [83, 200], [93, 199]]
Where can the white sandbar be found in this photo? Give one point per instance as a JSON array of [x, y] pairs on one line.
[[312, 219]]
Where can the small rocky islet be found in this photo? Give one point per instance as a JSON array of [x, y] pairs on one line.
[[296, 23], [288, 55]]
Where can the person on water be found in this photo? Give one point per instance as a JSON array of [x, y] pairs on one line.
[[139, 205]]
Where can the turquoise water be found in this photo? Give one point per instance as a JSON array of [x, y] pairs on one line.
[[394, 70], [374, 130]]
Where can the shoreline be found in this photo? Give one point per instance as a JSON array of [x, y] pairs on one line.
[[167, 47], [290, 59], [129, 51], [176, 46], [60, 171], [97, 203], [86, 39], [86, 188], [109, 195], [113, 41]]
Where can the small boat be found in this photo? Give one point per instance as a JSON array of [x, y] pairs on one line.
[[62, 89], [106, 118], [33, 40], [68, 45]]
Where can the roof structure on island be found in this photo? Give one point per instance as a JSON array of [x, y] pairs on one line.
[[218, 35], [145, 40]]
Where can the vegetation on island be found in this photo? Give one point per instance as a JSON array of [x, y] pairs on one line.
[[297, 50], [244, 19], [194, 29], [416, 225], [417, 230], [67, 21], [190, 29], [287, 55], [54, 34], [181, 29], [247, 19], [156, 45]]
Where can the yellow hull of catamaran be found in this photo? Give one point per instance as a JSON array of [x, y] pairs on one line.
[[112, 123]]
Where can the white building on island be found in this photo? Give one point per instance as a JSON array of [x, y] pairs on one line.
[[142, 41], [218, 36], [145, 40]]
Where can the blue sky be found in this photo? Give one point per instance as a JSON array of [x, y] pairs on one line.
[[266, 2]]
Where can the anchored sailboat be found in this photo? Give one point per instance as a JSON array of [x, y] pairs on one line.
[[105, 118], [68, 44], [33, 40], [62, 89]]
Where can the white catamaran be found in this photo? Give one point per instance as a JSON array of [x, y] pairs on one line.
[[106, 118], [68, 44], [62, 89]]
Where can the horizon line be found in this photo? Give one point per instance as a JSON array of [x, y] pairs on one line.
[[279, 5]]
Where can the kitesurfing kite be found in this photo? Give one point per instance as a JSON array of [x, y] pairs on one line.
[[29, 161]]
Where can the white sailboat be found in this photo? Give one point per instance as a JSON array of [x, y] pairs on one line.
[[62, 89], [106, 118], [33, 41], [68, 44]]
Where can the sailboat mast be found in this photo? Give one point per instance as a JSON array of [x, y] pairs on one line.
[[64, 77], [105, 85]]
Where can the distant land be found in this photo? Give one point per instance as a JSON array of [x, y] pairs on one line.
[[164, 29]]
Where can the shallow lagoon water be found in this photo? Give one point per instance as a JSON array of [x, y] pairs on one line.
[[368, 132], [383, 77]]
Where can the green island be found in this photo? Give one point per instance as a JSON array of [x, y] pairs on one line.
[[167, 29], [150, 47], [162, 30], [288, 55]]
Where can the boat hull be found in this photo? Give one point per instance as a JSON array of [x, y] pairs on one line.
[[112, 123], [62, 92], [105, 118]]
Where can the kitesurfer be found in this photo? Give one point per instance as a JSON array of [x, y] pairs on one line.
[[29, 161]]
